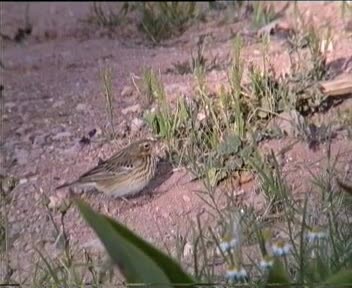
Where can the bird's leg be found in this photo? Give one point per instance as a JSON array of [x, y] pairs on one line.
[[150, 193], [125, 200], [106, 207]]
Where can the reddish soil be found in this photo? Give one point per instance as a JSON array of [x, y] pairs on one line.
[[53, 97]]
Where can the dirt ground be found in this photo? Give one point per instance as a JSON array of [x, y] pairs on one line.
[[53, 97]]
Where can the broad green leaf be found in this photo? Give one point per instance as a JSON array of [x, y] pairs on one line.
[[232, 144], [162, 264], [170, 267], [134, 264]]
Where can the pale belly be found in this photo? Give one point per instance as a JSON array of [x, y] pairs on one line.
[[126, 190]]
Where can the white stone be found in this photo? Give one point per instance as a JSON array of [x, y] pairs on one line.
[[136, 125]]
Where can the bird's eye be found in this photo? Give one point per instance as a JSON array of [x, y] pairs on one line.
[[146, 146]]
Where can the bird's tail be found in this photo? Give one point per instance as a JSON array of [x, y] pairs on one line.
[[65, 185]]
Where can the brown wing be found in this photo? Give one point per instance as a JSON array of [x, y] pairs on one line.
[[118, 165]]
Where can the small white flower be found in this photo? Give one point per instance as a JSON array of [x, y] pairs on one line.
[[236, 274], [266, 263], [281, 248], [226, 245], [315, 234], [234, 242]]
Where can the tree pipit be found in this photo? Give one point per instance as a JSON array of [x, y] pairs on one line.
[[125, 173]]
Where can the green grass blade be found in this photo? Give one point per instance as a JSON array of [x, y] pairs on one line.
[[134, 264], [52, 273]]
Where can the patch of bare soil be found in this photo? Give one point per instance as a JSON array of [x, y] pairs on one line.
[[53, 98]]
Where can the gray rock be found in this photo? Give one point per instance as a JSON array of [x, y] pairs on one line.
[[61, 135], [126, 91], [58, 104], [94, 244], [23, 129], [289, 122], [21, 155], [82, 107], [40, 140], [10, 105], [98, 131], [131, 109], [71, 150]]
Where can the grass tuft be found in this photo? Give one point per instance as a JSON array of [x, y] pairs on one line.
[[164, 19], [106, 16], [106, 76], [263, 14]]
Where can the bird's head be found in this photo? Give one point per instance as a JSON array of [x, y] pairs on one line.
[[146, 146]]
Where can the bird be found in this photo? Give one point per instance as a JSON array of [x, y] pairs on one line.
[[125, 173]]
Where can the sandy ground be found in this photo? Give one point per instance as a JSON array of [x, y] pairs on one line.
[[53, 97]]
